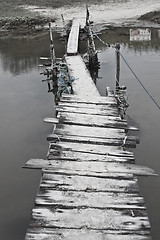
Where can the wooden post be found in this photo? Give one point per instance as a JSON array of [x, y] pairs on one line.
[[117, 64], [52, 51], [87, 16]]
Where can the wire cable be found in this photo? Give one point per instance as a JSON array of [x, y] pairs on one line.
[[145, 89], [139, 81]]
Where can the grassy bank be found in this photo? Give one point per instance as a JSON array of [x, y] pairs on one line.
[[151, 16]]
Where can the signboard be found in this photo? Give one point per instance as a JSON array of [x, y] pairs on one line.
[[140, 34]]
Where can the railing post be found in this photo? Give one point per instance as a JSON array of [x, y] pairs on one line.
[[117, 64]]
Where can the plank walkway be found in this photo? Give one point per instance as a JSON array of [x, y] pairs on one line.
[[89, 188], [72, 46]]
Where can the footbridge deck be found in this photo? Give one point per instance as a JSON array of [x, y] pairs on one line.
[[89, 188]]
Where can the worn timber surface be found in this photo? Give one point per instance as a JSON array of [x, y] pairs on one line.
[[72, 46], [89, 188]]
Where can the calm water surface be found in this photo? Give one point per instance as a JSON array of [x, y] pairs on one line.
[[24, 102]]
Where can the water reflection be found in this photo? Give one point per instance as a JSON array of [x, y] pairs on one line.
[[122, 35], [25, 102], [144, 59], [22, 55]]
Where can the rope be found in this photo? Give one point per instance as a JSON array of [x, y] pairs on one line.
[[108, 45]]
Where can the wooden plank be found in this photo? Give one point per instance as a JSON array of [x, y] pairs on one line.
[[72, 45], [97, 99], [109, 136], [90, 148], [101, 101], [100, 200], [118, 183], [90, 111], [107, 219], [88, 105], [83, 84], [89, 120], [89, 168], [87, 131], [81, 156], [83, 234], [91, 140]]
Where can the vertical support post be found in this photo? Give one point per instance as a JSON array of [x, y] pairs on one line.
[[87, 16], [64, 32], [117, 64], [52, 51], [52, 54]]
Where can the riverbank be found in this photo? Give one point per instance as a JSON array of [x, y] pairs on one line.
[[30, 22], [151, 16], [23, 26]]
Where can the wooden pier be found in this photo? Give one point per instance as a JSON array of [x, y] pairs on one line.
[[89, 188]]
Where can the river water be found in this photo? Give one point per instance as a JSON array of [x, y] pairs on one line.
[[24, 102]]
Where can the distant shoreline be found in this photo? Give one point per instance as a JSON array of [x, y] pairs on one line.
[[151, 16], [23, 26], [30, 26]]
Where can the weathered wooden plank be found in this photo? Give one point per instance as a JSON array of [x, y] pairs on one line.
[[88, 105], [81, 156], [90, 117], [100, 200], [72, 45], [87, 131], [92, 140], [90, 111], [87, 99], [107, 219], [89, 120], [84, 233], [89, 168], [90, 148], [118, 183], [83, 85]]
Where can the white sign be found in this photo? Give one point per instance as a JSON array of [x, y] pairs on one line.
[[140, 34]]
